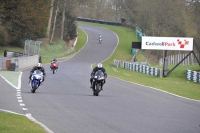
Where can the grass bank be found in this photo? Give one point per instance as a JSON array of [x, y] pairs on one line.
[[11, 123], [59, 50], [175, 83]]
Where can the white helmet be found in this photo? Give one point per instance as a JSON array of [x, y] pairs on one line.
[[39, 65], [99, 65]]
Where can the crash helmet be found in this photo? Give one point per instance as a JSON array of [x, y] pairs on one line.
[[39, 66], [54, 59], [99, 65]]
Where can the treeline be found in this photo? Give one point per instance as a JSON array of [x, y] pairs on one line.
[[35, 19], [167, 18], [154, 17], [53, 19]]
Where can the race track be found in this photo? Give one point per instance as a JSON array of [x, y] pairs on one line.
[[65, 102]]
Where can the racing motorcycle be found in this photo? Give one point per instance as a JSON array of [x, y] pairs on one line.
[[98, 81], [100, 40], [36, 80], [54, 66]]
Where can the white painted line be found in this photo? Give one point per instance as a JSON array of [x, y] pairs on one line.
[[20, 101], [11, 112], [8, 82], [19, 97], [18, 90], [19, 93], [29, 116], [24, 109], [158, 90], [22, 104], [19, 80]]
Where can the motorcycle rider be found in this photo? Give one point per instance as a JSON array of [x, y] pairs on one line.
[[37, 67], [54, 61], [100, 37], [98, 67]]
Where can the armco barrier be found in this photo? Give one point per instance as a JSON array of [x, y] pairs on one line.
[[138, 67], [193, 75], [98, 21]]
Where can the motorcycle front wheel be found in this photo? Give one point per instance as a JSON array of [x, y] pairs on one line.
[[34, 87], [97, 90]]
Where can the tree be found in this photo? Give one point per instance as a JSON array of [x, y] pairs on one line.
[[54, 23], [63, 21], [70, 31], [50, 18], [25, 20]]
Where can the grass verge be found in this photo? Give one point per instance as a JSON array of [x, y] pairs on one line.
[[11, 123]]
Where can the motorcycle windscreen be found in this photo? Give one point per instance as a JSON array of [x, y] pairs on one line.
[[37, 72], [99, 74]]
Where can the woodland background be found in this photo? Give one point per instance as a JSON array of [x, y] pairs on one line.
[[56, 19]]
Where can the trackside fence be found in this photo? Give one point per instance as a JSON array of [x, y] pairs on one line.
[[175, 59]]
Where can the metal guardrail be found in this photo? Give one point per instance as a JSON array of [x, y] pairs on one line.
[[99, 21]]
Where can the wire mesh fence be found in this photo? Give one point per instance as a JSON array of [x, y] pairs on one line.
[[32, 47]]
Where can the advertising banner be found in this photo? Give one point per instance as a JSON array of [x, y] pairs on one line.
[[167, 43]]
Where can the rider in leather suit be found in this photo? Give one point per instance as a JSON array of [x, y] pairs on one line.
[[98, 67]]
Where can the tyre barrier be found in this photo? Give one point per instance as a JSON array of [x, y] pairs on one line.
[[193, 75], [135, 66]]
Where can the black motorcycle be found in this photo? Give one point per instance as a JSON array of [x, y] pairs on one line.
[[98, 81]]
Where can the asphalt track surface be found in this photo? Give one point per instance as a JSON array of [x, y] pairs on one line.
[[65, 102]]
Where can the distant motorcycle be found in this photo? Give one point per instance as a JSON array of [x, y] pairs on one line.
[[36, 80], [54, 66], [100, 40], [98, 82]]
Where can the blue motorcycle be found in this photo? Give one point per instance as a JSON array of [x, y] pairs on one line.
[[36, 80]]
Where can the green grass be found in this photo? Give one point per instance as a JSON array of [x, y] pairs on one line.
[[59, 50], [11, 77], [15, 49], [11, 123], [175, 83]]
